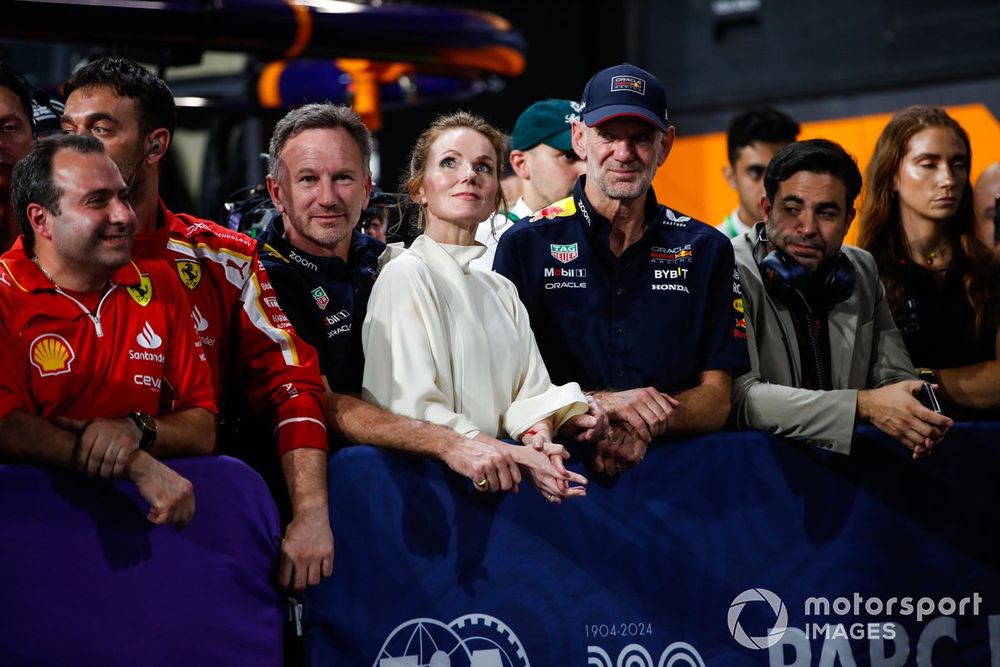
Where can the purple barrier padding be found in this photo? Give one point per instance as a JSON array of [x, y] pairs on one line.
[[87, 580]]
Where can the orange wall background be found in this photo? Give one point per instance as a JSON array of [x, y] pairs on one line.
[[691, 179]]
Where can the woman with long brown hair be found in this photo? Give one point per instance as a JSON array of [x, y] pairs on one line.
[[941, 282]]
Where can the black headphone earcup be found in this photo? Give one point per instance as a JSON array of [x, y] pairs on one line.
[[783, 276], [840, 281]]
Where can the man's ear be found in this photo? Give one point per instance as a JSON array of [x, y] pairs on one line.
[[157, 144], [277, 196], [38, 218], [729, 174], [765, 206], [850, 218], [666, 143], [579, 139], [519, 163]]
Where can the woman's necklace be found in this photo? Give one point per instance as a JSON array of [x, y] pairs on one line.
[[932, 256]]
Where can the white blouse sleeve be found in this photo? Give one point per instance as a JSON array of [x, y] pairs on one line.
[[406, 364], [535, 398]]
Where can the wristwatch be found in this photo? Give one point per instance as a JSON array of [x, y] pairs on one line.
[[147, 425]]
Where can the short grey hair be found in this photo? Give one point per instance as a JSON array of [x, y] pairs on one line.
[[318, 117]]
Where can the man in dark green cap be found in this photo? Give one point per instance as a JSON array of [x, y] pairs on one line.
[[543, 158]]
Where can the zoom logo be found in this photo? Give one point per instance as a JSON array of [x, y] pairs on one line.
[[775, 629], [678, 654], [473, 640]]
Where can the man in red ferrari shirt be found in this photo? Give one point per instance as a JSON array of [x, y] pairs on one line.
[[247, 339], [97, 373]]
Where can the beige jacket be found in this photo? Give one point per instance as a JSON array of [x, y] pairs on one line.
[[866, 351]]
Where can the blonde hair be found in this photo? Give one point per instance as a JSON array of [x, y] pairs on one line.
[[421, 150]]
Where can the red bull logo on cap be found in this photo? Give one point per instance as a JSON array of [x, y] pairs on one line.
[[631, 83]]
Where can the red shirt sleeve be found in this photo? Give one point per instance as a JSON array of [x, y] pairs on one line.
[[285, 381]]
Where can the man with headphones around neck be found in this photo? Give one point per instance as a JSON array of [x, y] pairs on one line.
[[824, 351]]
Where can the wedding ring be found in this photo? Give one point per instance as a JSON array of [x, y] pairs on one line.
[[483, 484]]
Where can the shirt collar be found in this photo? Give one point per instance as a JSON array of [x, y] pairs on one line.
[[274, 237], [651, 209], [27, 275]]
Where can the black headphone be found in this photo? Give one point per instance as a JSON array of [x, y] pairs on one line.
[[789, 281]]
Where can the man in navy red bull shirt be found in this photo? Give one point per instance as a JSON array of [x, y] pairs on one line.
[[634, 300]]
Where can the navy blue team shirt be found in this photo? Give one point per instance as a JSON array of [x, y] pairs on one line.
[[669, 308], [325, 298]]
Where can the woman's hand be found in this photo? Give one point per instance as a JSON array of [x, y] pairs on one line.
[[542, 462]]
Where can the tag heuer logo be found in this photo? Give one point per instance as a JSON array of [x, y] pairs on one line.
[[564, 253], [321, 298]]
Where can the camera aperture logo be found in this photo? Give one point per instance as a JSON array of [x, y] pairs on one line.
[[856, 617], [775, 631]]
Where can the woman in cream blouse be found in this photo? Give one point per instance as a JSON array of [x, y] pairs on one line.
[[453, 346]]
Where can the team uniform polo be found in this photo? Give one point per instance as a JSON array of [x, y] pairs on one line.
[[325, 298], [247, 339], [132, 349], [666, 310]]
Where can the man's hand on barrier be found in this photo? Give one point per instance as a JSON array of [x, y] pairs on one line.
[[547, 472], [647, 410], [103, 445], [484, 459], [894, 410], [170, 496], [588, 427], [623, 448], [307, 549]]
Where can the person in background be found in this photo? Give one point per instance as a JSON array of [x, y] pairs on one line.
[[544, 163], [451, 345], [942, 283], [753, 138], [15, 141], [985, 197]]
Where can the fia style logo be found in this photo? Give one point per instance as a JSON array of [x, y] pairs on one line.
[[473, 640]]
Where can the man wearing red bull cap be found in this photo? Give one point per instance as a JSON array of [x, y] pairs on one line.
[[634, 300]]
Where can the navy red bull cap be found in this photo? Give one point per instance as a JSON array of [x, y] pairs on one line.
[[624, 90]]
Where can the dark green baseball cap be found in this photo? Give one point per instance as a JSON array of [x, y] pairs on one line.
[[548, 122]]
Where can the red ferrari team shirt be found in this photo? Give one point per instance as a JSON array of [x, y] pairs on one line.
[[132, 348], [245, 335]]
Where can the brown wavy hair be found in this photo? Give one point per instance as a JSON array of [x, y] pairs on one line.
[[881, 230], [421, 150]]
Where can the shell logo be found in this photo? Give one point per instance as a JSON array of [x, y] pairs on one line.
[[51, 354]]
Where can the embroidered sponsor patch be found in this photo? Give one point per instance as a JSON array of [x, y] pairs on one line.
[[189, 272], [141, 293], [51, 354], [564, 253], [322, 300], [678, 255], [630, 83]]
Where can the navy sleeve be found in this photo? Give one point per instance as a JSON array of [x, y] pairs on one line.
[[725, 345]]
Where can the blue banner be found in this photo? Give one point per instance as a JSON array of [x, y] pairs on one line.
[[732, 549]]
